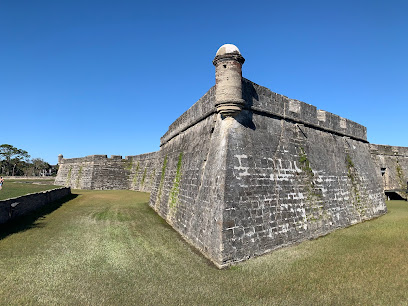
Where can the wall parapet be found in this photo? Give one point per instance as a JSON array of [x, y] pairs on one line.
[[142, 156], [91, 158], [264, 101], [200, 110], [388, 150], [14, 208]]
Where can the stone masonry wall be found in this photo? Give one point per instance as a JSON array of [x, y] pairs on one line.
[[280, 172], [293, 173], [108, 173], [75, 173], [14, 208], [189, 187], [101, 172], [287, 182], [391, 163], [261, 100], [143, 169]]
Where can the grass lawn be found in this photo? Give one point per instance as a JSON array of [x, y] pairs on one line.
[[110, 248], [16, 188]]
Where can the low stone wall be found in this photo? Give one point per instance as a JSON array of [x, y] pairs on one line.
[[14, 208]]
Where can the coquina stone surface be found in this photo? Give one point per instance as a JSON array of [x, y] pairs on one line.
[[100, 172], [278, 173], [392, 165]]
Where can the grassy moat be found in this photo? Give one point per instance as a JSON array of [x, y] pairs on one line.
[[111, 248]]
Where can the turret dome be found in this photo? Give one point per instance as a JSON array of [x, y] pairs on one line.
[[228, 49]]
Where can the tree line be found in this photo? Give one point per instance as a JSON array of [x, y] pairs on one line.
[[17, 162]]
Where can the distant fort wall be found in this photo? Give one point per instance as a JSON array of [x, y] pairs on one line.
[[143, 170], [392, 165], [100, 172]]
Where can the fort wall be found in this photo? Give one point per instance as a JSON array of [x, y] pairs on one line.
[[100, 172], [76, 172], [291, 177], [143, 169], [278, 173], [260, 100], [391, 163], [245, 170], [189, 189]]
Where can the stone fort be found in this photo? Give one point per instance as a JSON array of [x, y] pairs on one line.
[[245, 170]]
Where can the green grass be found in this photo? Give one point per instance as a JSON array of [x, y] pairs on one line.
[[15, 188], [110, 248]]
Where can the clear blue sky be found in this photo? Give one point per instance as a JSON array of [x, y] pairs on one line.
[[109, 77]]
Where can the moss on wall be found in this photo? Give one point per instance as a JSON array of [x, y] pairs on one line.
[[402, 180], [128, 165], [144, 177], [68, 181], [355, 192], [314, 211], [304, 162], [152, 176], [136, 176], [175, 190], [162, 176], [79, 176]]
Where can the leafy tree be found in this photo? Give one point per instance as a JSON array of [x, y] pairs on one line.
[[16, 162], [40, 166], [10, 157]]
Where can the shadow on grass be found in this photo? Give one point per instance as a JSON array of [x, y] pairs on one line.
[[27, 222], [163, 222]]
